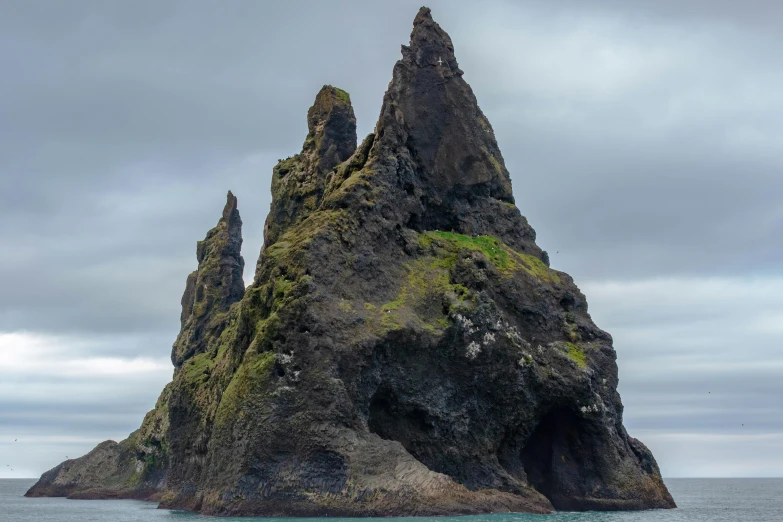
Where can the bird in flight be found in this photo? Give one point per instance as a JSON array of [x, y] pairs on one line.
[[440, 62]]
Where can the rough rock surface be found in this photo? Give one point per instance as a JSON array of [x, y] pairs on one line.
[[213, 287], [405, 348]]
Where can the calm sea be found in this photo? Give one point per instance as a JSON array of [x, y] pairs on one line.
[[713, 500]]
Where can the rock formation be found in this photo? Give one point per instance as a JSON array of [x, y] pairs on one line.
[[404, 349], [213, 288]]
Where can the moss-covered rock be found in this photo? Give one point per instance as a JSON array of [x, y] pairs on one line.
[[404, 349], [213, 287]]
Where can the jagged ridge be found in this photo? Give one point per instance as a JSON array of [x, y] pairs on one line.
[[405, 348]]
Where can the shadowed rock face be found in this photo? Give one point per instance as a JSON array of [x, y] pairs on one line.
[[298, 182], [405, 348], [213, 287]]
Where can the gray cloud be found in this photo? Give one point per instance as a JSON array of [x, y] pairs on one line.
[[643, 141]]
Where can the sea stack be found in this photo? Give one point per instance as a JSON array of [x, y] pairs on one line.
[[405, 348]]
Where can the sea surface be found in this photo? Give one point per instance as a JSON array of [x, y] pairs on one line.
[[699, 500]]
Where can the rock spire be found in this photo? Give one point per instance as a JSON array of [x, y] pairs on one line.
[[405, 348]]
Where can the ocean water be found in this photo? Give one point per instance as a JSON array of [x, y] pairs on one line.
[[699, 500]]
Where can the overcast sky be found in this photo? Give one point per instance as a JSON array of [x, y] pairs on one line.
[[644, 144]]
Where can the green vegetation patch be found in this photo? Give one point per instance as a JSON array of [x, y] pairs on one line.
[[285, 166], [296, 238], [535, 267], [197, 369], [490, 246], [247, 389], [425, 299], [342, 95], [499, 254], [576, 354], [496, 164]]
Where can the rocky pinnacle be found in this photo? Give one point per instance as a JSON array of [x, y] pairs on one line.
[[213, 287], [431, 111], [404, 349], [298, 182]]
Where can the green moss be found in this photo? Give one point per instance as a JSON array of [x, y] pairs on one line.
[[342, 95], [247, 389], [490, 246], [196, 369], [282, 288], [267, 330], [535, 267], [570, 328], [287, 248], [573, 335], [309, 203], [424, 295], [350, 181], [484, 124], [228, 335], [509, 205], [428, 296], [503, 257], [576, 354], [496, 164], [199, 309], [397, 303], [345, 306], [283, 167], [356, 179]]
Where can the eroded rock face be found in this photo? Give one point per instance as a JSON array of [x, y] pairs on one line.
[[298, 182], [405, 348], [430, 117], [213, 287]]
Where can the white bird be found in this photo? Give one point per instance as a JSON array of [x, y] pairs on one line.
[[440, 62]]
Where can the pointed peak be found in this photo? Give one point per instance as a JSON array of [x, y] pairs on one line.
[[331, 126], [327, 100], [424, 14], [231, 206], [431, 115], [215, 285], [335, 94], [430, 45]]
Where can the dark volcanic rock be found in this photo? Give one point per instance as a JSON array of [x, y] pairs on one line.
[[213, 287], [405, 348], [298, 182]]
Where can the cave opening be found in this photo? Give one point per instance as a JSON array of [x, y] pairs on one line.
[[391, 419], [551, 451]]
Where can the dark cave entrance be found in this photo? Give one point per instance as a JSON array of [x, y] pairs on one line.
[[391, 419], [552, 455]]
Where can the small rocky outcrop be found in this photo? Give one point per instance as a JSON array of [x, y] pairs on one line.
[[298, 183], [404, 349], [213, 287]]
